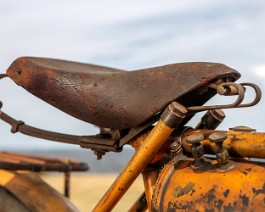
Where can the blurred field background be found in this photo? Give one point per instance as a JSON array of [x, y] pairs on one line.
[[87, 189]]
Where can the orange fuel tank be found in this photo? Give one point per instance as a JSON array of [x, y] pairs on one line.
[[182, 188]]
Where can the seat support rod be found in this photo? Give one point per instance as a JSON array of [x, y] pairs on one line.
[[170, 119]]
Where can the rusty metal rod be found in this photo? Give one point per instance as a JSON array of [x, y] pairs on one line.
[[14, 161], [240, 98], [43, 158], [93, 142], [230, 88], [67, 175], [18, 158], [257, 97], [40, 167]]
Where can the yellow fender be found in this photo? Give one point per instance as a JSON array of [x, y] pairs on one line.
[[33, 192]]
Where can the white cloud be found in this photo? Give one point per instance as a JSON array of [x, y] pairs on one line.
[[260, 70]]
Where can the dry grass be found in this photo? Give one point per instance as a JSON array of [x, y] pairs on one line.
[[87, 189]]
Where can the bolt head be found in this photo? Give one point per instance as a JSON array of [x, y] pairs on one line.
[[218, 137], [242, 129], [177, 109], [218, 114], [195, 138]]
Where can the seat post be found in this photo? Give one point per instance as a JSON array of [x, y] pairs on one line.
[[169, 120]]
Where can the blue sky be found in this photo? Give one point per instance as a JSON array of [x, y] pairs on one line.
[[128, 35]]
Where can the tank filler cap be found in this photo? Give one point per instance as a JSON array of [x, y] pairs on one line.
[[242, 129]]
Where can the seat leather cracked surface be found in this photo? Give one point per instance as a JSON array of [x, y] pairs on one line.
[[110, 97]]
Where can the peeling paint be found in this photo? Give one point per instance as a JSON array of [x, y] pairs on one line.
[[226, 193], [220, 204], [172, 207], [179, 191], [245, 200], [209, 210], [259, 191], [211, 195], [229, 208]]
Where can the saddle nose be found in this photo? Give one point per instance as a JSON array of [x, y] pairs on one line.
[[2, 76]]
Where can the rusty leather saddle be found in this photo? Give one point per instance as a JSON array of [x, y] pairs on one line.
[[114, 98]]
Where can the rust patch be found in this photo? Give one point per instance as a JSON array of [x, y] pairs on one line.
[[245, 200], [172, 207], [219, 204], [259, 191], [246, 171], [233, 138], [226, 193], [229, 208], [211, 195], [179, 191], [209, 210]]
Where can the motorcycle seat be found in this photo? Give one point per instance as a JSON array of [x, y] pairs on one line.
[[113, 98]]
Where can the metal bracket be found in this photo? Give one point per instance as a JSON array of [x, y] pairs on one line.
[[228, 89], [91, 142]]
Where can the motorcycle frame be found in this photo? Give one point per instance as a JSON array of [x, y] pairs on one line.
[[171, 117], [239, 144]]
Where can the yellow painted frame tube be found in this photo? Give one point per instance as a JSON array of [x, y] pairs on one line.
[[150, 178], [238, 144], [171, 117]]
